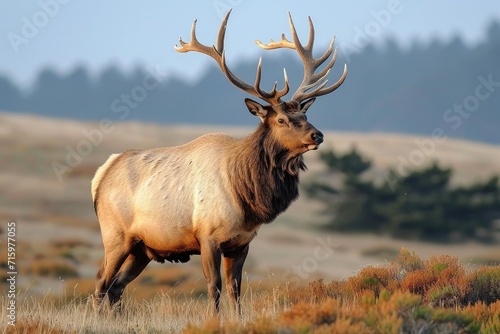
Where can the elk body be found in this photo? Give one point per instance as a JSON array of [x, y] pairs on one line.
[[209, 196]]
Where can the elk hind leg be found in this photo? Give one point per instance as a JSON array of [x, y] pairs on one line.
[[114, 256], [134, 264]]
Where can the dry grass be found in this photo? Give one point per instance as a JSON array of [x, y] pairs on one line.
[[408, 295], [378, 299]]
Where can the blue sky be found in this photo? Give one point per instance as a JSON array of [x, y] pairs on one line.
[[65, 33]]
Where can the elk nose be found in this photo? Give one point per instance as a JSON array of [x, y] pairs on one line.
[[317, 137]]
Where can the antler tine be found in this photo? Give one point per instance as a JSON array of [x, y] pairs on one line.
[[297, 45], [284, 43], [311, 64], [335, 85], [316, 78], [218, 54], [285, 89], [315, 81], [280, 93], [184, 45], [257, 79], [328, 52], [302, 94], [222, 32], [233, 78], [274, 93], [310, 42], [193, 45]]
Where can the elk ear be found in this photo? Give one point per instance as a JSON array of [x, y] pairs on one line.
[[305, 105], [256, 108]]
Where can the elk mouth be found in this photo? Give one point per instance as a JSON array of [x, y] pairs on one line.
[[311, 146], [314, 145]]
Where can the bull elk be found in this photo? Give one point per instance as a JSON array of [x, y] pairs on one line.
[[211, 195]]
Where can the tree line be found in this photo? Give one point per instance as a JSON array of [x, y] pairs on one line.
[[439, 84], [424, 205]]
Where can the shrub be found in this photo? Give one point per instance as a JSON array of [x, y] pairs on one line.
[[373, 279], [491, 325], [58, 268], [447, 296], [441, 279], [316, 291], [71, 243], [484, 285], [304, 317], [409, 261], [418, 282]]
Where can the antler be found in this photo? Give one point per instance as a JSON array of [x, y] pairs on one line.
[[218, 54], [312, 85]]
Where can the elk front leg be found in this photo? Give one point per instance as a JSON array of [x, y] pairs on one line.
[[233, 268], [210, 260]]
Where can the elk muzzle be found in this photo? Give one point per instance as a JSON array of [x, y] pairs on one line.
[[316, 138]]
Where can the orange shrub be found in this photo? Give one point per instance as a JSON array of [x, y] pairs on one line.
[[304, 317], [316, 291], [374, 279], [442, 280], [409, 261], [418, 282]]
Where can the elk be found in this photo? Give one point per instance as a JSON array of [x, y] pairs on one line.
[[209, 196]]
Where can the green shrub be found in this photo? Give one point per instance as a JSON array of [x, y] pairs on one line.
[[57, 268], [484, 285]]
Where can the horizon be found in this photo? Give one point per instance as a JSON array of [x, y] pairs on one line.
[[120, 40]]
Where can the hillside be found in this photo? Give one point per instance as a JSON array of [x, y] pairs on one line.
[[57, 222]]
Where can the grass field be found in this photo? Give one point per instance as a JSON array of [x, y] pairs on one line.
[[59, 248], [408, 295]]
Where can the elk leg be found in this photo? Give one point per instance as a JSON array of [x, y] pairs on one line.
[[106, 276], [135, 263], [233, 267], [210, 261]]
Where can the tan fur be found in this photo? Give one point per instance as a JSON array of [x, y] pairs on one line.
[[178, 186], [100, 171]]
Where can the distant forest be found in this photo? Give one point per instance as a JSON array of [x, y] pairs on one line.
[[445, 85]]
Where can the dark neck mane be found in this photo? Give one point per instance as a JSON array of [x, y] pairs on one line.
[[265, 176]]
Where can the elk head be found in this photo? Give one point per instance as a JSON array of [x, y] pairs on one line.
[[286, 120]]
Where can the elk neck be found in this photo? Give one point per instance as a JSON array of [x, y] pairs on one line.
[[265, 176]]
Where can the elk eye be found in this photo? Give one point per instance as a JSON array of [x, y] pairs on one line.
[[281, 121]]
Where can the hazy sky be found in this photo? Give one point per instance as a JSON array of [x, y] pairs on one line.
[[66, 33]]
